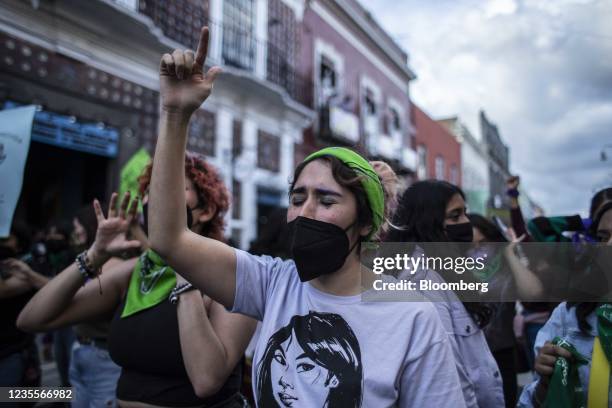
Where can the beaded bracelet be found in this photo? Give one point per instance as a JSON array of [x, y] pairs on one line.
[[85, 267], [179, 289], [87, 270]]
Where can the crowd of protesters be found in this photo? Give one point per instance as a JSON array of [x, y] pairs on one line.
[[147, 305]]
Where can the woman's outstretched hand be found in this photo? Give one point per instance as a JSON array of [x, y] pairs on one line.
[[184, 85], [110, 235]]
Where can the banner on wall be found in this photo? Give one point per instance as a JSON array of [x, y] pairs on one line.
[[15, 134]]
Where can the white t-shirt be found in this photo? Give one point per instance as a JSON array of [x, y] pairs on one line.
[[320, 350]]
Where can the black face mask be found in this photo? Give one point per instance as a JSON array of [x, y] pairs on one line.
[[460, 232], [145, 218], [318, 248], [7, 252], [56, 245]]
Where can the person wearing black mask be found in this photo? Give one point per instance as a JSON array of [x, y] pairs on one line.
[[162, 343], [19, 363], [336, 201], [435, 211]]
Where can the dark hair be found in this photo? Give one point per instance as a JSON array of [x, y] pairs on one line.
[[420, 217], [421, 212], [328, 340], [86, 216], [598, 199], [347, 178], [23, 235], [486, 228], [583, 310]]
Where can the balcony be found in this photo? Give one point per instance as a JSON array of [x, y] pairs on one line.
[[338, 125], [409, 159], [181, 20]]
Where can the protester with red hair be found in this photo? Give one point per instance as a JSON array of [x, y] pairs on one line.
[[175, 346]]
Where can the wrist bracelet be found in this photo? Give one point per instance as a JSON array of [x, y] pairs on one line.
[[512, 192], [179, 289], [85, 267]]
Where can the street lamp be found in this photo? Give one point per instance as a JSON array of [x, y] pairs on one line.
[[603, 154]]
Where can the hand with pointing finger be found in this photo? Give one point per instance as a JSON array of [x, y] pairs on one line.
[[184, 85]]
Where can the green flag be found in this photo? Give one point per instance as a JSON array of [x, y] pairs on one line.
[[131, 171]]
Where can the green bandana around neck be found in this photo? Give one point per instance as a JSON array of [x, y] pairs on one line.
[[371, 183], [151, 282], [604, 328]]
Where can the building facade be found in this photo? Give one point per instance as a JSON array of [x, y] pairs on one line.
[[91, 67], [474, 166], [360, 82], [499, 159], [438, 151]]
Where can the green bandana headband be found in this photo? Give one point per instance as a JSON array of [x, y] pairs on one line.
[[151, 282], [371, 183]]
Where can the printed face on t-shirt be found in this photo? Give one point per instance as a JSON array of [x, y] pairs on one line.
[[294, 375], [313, 362]]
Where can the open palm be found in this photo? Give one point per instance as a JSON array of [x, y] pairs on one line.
[[111, 233]]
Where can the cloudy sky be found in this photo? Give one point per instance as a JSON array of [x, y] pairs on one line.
[[542, 71]]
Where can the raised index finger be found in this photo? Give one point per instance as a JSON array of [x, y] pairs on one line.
[[202, 50]]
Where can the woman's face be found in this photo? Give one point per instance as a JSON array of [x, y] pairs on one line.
[[455, 212], [317, 195], [298, 381], [199, 213], [604, 229], [79, 233]]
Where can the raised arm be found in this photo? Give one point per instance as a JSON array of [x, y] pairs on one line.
[[212, 341], [209, 264], [516, 214], [65, 300]]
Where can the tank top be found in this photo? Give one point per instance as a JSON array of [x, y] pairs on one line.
[[147, 347]]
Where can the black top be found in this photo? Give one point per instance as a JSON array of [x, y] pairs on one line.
[[12, 339], [147, 347]]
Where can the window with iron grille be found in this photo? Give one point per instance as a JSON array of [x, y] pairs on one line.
[[180, 20], [202, 133], [236, 199], [268, 151], [282, 45], [238, 33]]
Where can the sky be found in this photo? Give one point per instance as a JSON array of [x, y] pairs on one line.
[[540, 69]]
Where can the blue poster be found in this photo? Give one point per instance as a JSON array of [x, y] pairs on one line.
[[15, 131]]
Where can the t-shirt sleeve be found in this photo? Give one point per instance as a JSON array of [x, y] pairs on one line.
[[429, 378], [255, 276]]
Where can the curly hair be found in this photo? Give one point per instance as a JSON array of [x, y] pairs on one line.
[[210, 189]]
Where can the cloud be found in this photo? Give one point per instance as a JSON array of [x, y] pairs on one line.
[[542, 70]]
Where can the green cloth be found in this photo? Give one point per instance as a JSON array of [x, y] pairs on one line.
[[371, 183], [604, 328], [490, 269], [565, 389], [551, 229], [150, 284], [131, 171]]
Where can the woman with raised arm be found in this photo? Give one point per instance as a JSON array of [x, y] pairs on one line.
[[319, 345], [175, 346]]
